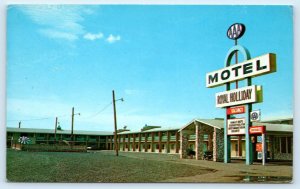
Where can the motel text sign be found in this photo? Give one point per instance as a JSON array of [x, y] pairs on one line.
[[254, 67]]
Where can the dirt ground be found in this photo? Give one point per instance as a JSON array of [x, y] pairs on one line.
[[235, 172]]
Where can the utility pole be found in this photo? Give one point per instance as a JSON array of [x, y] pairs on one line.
[[72, 126], [115, 121], [55, 130], [19, 124], [236, 61]]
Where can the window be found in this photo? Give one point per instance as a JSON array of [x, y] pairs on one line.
[[285, 144], [289, 142]]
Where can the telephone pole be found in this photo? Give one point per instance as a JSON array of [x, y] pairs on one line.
[[115, 122], [72, 126], [55, 130], [72, 135]]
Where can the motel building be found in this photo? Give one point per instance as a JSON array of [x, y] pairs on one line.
[[199, 135]]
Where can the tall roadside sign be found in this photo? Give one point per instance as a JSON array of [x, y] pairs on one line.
[[240, 99]]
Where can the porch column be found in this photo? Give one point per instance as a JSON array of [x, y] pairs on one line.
[[119, 142], [183, 144], [124, 143], [272, 146], [152, 141], [159, 141], [133, 144], [128, 142], [218, 145], [168, 142], [177, 142], [145, 144], [139, 142], [106, 142], [110, 141], [210, 143], [99, 139], [199, 141]]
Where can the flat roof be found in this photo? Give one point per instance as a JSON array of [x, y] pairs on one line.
[[219, 123], [51, 131], [150, 130]]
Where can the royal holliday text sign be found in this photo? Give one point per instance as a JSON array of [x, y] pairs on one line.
[[254, 67], [244, 95]]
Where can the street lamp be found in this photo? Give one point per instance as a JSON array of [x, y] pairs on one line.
[[115, 121]]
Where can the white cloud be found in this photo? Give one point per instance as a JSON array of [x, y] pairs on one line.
[[63, 21], [58, 21], [92, 37], [112, 39], [58, 34]]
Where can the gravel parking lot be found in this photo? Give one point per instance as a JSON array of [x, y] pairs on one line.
[[235, 172], [134, 167]]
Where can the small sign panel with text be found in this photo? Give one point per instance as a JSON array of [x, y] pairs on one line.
[[257, 129], [236, 126], [235, 110]]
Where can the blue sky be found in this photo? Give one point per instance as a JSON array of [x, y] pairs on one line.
[[155, 57]]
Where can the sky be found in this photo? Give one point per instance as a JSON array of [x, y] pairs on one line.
[[155, 57]]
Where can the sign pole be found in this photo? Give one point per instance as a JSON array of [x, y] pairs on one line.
[[263, 140], [236, 61], [249, 149], [227, 146]]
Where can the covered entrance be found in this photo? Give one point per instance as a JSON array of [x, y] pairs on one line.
[[202, 135]]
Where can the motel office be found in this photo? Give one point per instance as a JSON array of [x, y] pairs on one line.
[[198, 135]]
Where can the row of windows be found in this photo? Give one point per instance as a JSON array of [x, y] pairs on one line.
[[38, 135], [156, 146], [285, 145]]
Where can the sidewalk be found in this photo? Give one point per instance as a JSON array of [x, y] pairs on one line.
[[235, 172], [238, 172]]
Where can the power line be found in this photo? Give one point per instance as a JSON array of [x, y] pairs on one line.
[[100, 111], [34, 119], [45, 118]]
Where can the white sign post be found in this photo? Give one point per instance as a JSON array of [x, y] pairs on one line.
[[263, 149]]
